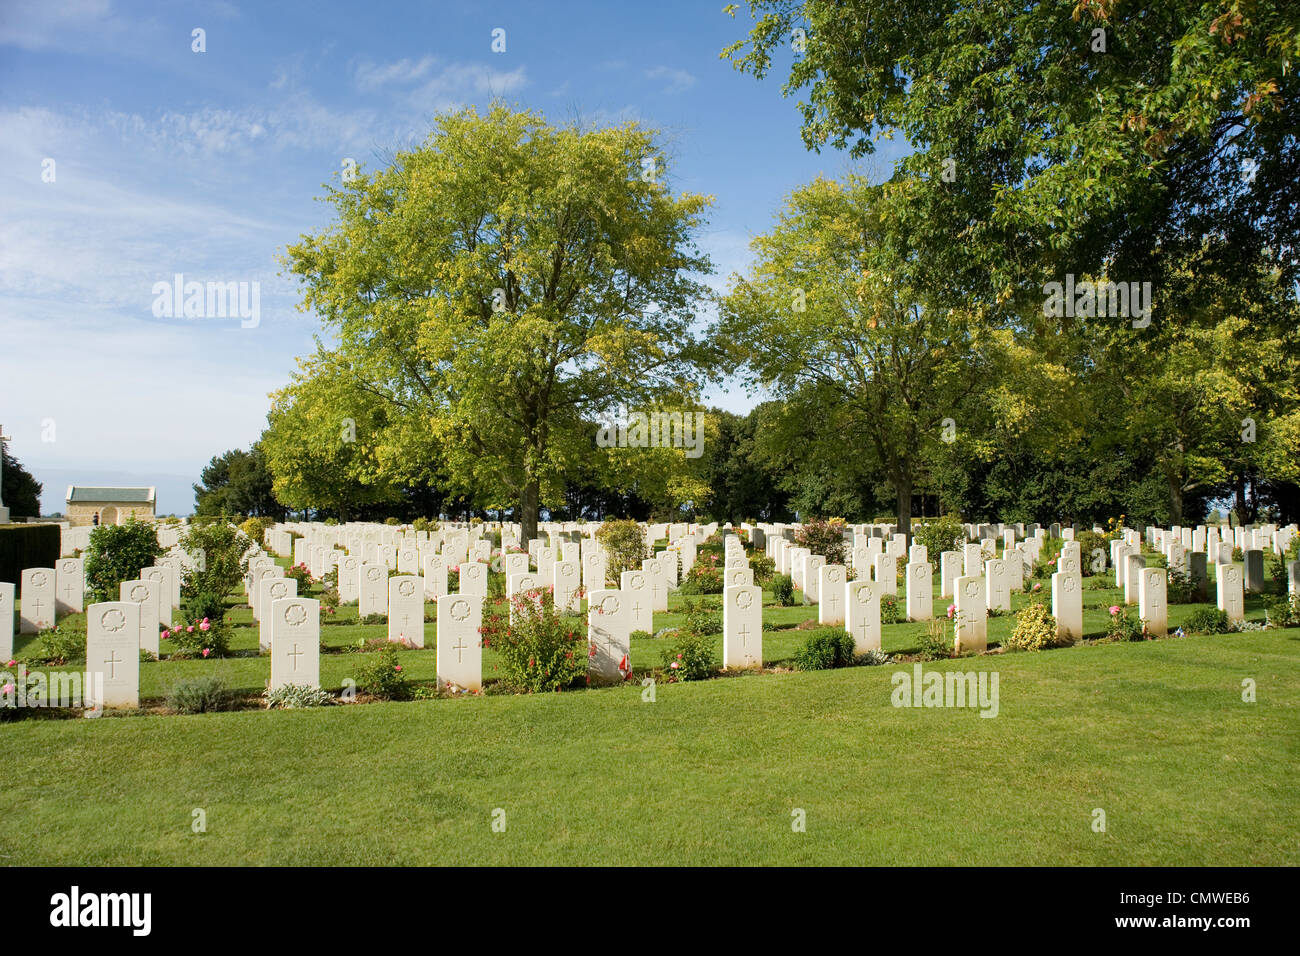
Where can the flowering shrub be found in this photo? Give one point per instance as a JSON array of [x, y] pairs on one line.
[[302, 574], [824, 536], [890, 612], [543, 650], [1121, 627], [692, 658], [199, 639], [1035, 629], [380, 675], [763, 568], [704, 577]]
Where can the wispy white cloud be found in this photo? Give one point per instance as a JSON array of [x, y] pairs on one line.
[[679, 81]]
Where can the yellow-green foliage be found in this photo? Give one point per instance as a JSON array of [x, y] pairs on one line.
[[1035, 629]]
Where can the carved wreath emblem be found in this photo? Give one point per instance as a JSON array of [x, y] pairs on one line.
[[278, 590], [406, 588], [112, 620], [139, 593], [459, 610], [744, 599], [609, 604], [295, 614], [40, 579]]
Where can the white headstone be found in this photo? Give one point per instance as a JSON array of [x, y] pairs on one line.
[[920, 591], [374, 589], [1231, 592], [887, 573], [742, 627], [830, 588], [863, 619], [38, 597], [971, 623], [1153, 605], [460, 649], [1067, 606], [113, 653], [270, 591], [609, 628], [70, 585], [147, 594], [636, 586], [6, 621], [295, 642], [406, 609]]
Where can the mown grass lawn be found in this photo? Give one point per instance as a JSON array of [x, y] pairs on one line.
[[1155, 734]]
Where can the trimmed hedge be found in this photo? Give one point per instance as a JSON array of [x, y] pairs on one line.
[[25, 546]]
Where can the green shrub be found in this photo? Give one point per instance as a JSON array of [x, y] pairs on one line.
[[940, 535], [200, 695], [255, 528], [222, 547], [936, 644], [380, 675], [24, 546], [1179, 588], [1206, 620], [783, 589], [64, 643], [1035, 629], [376, 618], [641, 636], [200, 605], [704, 577], [118, 553], [825, 649], [1123, 625], [824, 536], [543, 650], [302, 574], [1284, 611], [294, 696], [1090, 541], [625, 547], [890, 610], [200, 635], [691, 658], [763, 568], [702, 619]]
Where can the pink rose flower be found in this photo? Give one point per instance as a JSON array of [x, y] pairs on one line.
[[205, 626], [8, 688], [190, 629], [166, 634], [206, 652], [1114, 610]]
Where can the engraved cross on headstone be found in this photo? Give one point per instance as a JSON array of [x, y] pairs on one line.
[[112, 660], [459, 648], [295, 654]]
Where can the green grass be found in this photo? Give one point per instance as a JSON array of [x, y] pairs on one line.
[[1153, 733]]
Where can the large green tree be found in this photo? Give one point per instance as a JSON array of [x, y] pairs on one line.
[[876, 374], [20, 492], [509, 279], [238, 482]]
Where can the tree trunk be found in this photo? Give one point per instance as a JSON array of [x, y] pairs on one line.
[[529, 505], [905, 509], [1175, 500], [1241, 501]]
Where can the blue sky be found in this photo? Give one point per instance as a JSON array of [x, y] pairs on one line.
[[207, 164]]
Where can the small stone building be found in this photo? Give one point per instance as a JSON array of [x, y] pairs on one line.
[[89, 506]]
